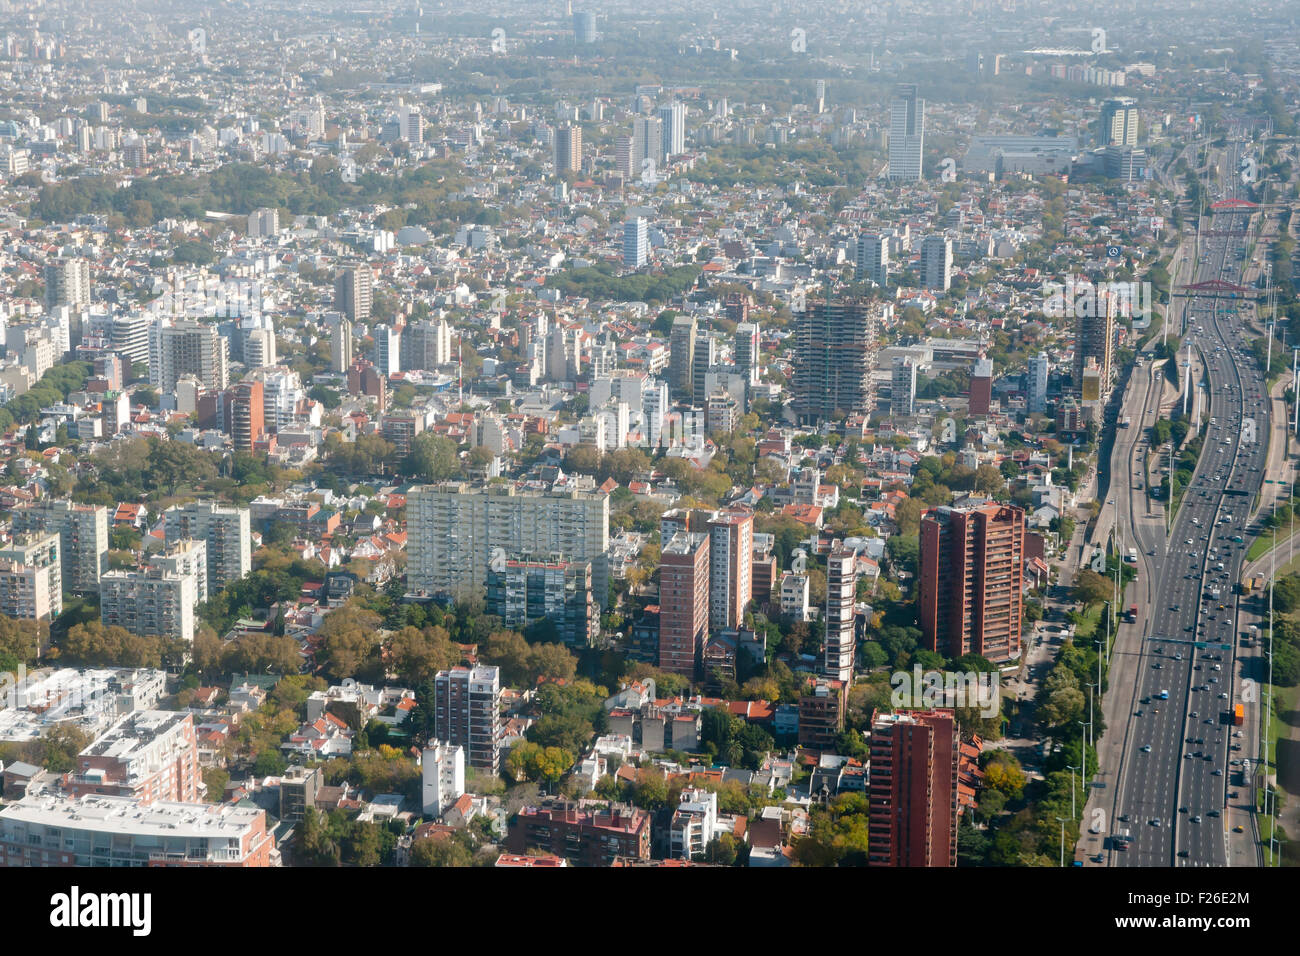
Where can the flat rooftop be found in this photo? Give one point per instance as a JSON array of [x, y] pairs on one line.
[[105, 814]]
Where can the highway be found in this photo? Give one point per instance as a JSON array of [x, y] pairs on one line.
[[1176, 777]]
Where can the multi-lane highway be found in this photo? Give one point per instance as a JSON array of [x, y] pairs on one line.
[[1176, 774]]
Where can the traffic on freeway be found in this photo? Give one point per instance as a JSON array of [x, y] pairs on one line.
[[1183, 761]]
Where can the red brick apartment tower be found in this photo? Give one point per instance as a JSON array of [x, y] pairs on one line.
[[683, 602], [913, 790], [247, 424], [972, 561], [149, 755]]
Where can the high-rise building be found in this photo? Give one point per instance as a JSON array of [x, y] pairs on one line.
[[426, 345], [225, 530], [454, 527], [1119, 122], [623, 161], [683, 603], [731, 553], [584, 26], [467, 713], [386, 353], [282, 393], [704, 358], [525, 589], [681, 358], [400, 428], [1124, 162], [83, 537], [568, 149], [109, 368], [981, 386], [352, 292], [835, 346], [1036, 383], [902, 388], [259, 347], [972, 565], [636, 245], [263, 222], [364, 379], [411, 124], [841, 644], [246, 412], [873, 258], [1095, 339], [906, 133], [153, 601], [67, 282], [913, 790], [822, 709], [188, 348], [186, 557], [647, 143], [672, 117], [129, 337], [31, 577], [340, 342], [119, 831], [936, 263], [442, 771], [747, 351], [147, 755]]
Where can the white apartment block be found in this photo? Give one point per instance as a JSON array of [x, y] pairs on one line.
[[49, 830], [227, 531], [186, 557], [695, 823], [31, 579], [149, 602], [453, 528], [794, 596], [188, 347], [83, 535], [443, 770]]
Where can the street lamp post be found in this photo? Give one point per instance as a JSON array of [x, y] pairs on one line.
[[1061, 820], [1072, 768], [1084, 730], [1091, 697]]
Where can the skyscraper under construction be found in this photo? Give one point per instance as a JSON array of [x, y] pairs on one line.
[[836, 345]]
